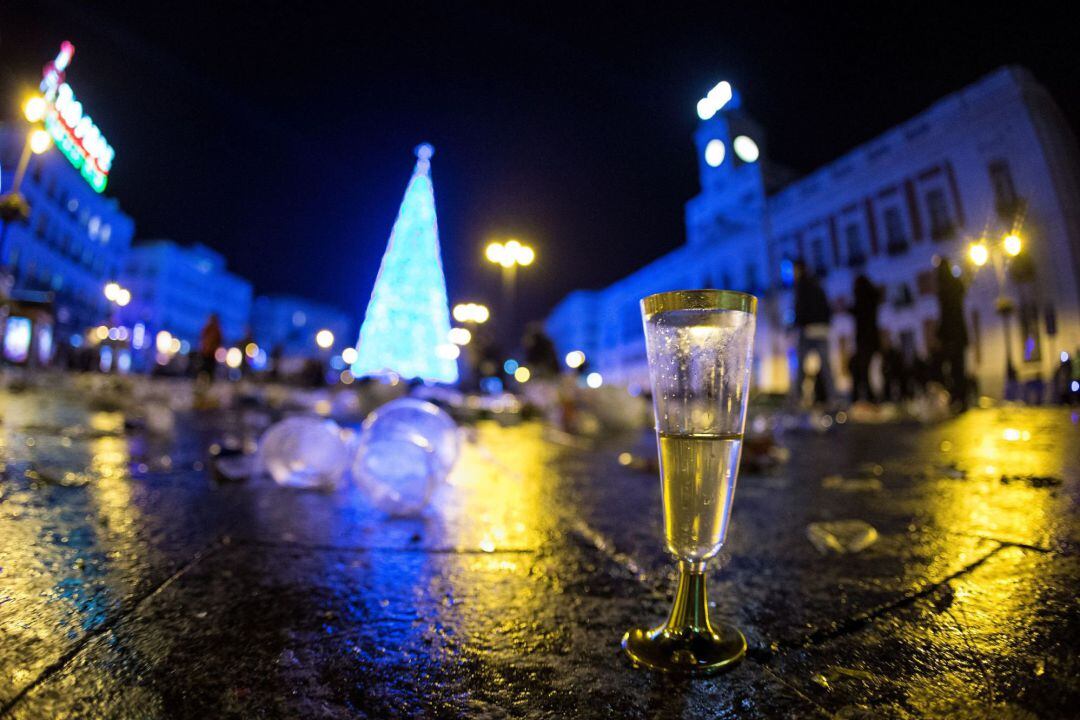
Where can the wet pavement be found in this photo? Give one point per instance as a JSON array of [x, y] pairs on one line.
[[134, 586]]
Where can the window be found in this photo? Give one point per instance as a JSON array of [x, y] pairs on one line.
[[937, 207], [1006, 201], [896, 240], [817, 256], [855, 251], [926, 282]]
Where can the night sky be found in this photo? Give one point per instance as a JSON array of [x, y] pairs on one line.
[[282, 134]]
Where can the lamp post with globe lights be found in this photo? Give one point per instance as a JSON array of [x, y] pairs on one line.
[[998, 254], [13, 206], [324, 339], [509, 256], [473, 343], [118, 297]]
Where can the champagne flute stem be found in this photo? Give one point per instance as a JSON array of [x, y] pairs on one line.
[[691, 608]]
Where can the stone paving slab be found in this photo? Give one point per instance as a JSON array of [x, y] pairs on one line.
[[280, 631], [138, 587], [996, 642]]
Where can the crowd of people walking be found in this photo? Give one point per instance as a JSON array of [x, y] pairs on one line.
[[900, 373]]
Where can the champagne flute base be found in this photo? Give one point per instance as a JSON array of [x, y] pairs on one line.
[[689, 651], [688, 643]]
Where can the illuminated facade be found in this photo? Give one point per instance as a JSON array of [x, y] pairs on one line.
[[176, 288], [74, 241], [290, 323], [407, 324], [994, 157]]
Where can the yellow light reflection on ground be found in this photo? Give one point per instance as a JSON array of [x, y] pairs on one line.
[[1010, 458], [501, 507]]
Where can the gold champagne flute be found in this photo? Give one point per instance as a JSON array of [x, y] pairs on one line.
[[700, 347]]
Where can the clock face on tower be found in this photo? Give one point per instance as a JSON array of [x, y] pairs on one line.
[[714, 153], [746, 149]]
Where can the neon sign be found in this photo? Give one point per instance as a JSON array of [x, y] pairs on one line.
[[78, 138]]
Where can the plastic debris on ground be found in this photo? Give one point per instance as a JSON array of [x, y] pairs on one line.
[[304, 452], [405, 449], [841, 536]]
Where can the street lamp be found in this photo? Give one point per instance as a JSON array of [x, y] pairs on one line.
[[114, 293], [324, 339], [459, 336], [509, 256], [35, 108], [982, 252], [13, 205], [471, 313]]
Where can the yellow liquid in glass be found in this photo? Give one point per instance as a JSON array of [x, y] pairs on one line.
[[697, 477]]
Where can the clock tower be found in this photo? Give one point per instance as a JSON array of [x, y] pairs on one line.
[[729, 154]]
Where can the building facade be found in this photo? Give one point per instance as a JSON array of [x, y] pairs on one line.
[[176, 288], [289, 324], [74, 241], [994, 158]]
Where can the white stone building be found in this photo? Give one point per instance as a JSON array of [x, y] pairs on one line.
[[993, 158]]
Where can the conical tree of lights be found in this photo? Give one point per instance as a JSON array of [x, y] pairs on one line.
[[406, 327]]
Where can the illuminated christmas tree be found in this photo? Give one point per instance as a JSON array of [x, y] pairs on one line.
[[408, 317]]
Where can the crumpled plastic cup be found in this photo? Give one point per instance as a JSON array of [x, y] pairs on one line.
[[304, 452], [405, 449], [398, 474], [409, 416]]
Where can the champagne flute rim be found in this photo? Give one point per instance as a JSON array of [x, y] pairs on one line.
[[704, 299]]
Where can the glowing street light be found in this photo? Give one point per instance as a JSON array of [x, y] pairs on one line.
[[575, 359], [522, 374], [349, 355], [978, 254], [594, 380], [35, 108], [40, 141], [116, 294], [459, 336], [163, 342], [509, 256], [324, 339], [234, 357], [471, 313], [13, 205], [982, 252]]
